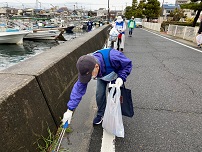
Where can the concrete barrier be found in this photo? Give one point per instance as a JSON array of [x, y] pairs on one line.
[[34, 93]]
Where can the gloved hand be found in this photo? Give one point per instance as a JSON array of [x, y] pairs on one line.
[[67, 116], [119, 82]]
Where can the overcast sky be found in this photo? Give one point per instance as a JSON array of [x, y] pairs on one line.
[[71, 4]]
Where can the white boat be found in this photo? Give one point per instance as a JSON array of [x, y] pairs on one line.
[[15, 37], [41, 35], [45, 35], [11, 34]]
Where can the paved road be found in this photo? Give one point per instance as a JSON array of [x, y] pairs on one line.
[[167, 94]]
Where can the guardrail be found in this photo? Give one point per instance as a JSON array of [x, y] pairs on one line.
[[152, 26], [184, 32]]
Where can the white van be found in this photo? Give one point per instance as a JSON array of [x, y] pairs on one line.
[[138, 22]]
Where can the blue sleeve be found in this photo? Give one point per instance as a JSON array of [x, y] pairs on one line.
[[76, 95], [121, 63]]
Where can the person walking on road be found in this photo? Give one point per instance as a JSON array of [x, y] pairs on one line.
[[121, 27], [199, 36], [105, 65], [131, 26]]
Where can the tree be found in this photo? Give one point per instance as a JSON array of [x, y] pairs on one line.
[[152, 9], [134, 10], [139, 11], [177, 14], [134, 5], [128, 12], [194, 5]]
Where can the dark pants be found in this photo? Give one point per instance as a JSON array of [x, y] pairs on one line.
[[101, 96], [130, 31]]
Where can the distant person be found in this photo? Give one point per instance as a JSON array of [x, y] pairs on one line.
[[120, 25], [199, 36], [100, 23], [131, 26], [89, 25]]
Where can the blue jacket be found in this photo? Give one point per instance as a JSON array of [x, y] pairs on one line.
[[119, 62]]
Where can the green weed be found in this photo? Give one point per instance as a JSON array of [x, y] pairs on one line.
[[49, 144]]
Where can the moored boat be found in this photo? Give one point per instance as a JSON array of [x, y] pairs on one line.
[[45, 35], [69, 29], [13, 37]]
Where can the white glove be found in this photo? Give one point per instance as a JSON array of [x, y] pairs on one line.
[[119, 82], [67, 116]]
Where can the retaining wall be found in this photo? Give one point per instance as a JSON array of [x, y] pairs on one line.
[[34, 93]]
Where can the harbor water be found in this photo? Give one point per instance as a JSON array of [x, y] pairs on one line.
[[12, 54]]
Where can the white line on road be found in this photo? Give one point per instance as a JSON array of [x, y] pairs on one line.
[[108, 142], [175, 41]]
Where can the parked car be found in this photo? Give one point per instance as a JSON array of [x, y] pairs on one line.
[[138, 22]]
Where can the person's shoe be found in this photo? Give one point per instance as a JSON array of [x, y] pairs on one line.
[[121, 49], [199, 45], [97, 120]]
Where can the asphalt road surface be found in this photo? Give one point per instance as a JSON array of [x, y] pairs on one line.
[[166, 84]]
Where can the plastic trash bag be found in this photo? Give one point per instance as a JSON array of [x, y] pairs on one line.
[[112, 120], [113, 34], [199, 39]]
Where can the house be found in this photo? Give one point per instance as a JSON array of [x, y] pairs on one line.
[[167, 9], [102, 12], [7, 11], [187, 12]]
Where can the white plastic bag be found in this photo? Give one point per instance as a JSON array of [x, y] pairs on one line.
[[112, 120], [199, 39], [113, 34]]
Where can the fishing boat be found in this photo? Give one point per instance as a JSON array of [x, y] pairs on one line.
[[12, 36], [45, 35], [69, 29], [12, 32]]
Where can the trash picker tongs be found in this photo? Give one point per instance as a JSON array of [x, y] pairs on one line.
[[65, 126]]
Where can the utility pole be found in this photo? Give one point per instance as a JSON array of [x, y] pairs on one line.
[[108, 12], [40, 4], [37, 4]]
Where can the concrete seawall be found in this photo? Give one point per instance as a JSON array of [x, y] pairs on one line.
[[34, 93]]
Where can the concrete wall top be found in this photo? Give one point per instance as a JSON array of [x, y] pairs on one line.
[[10, 83]]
